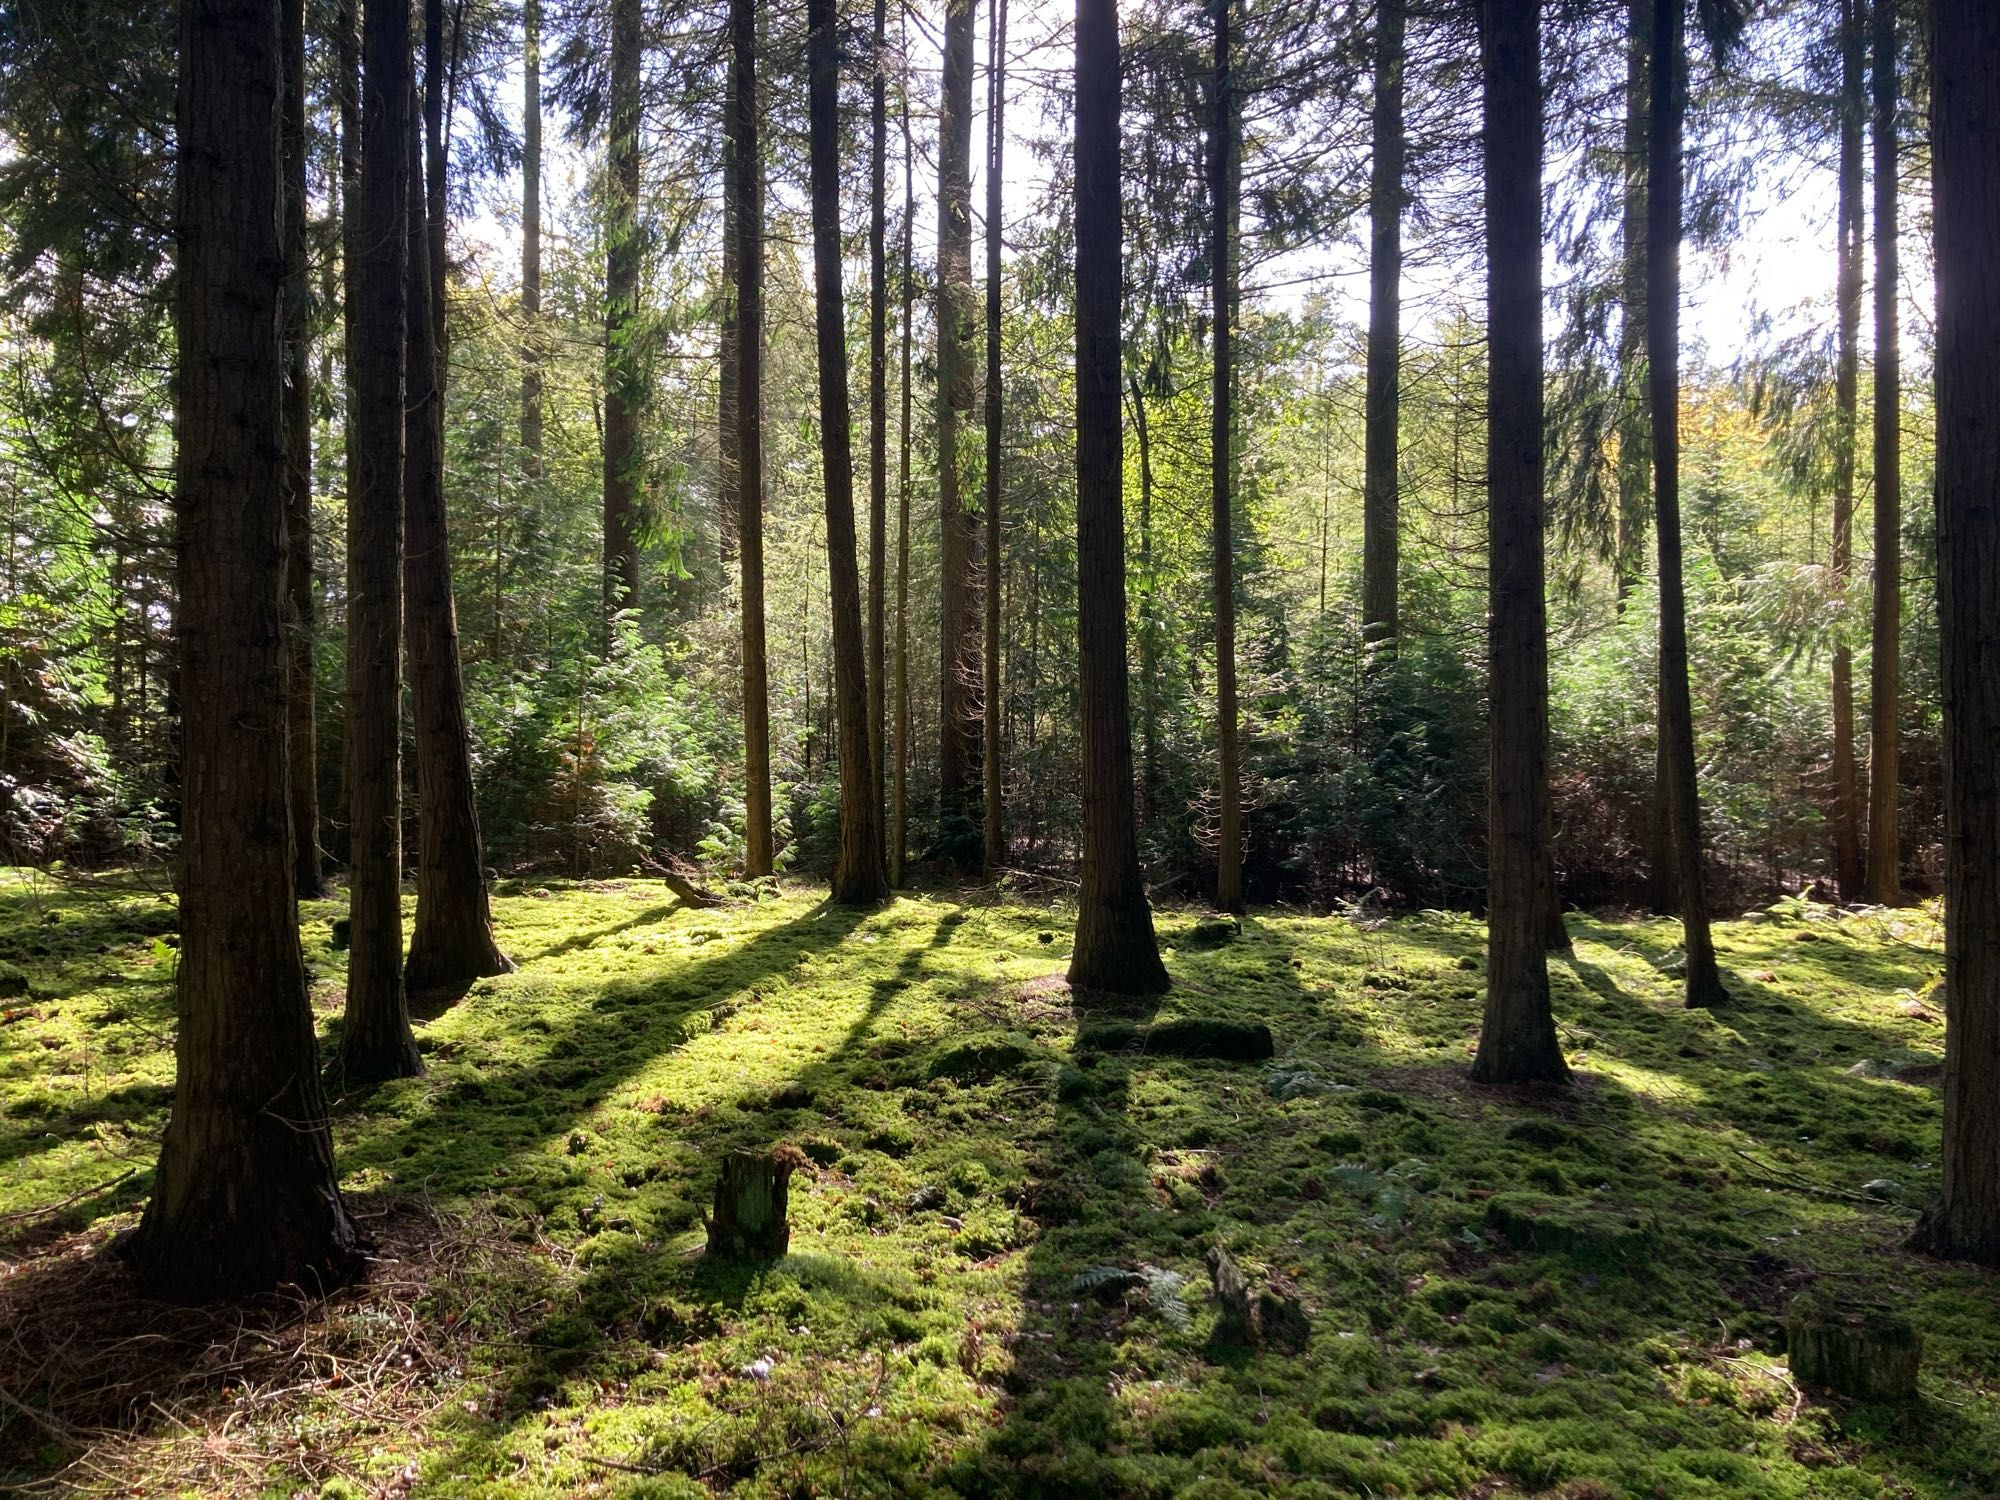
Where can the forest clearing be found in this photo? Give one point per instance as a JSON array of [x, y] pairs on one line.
[[996, 1282]]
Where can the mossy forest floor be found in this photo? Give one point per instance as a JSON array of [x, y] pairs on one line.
[[997, 1281]]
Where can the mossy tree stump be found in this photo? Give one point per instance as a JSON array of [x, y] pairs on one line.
[[749, 1220], [1867, 1353]]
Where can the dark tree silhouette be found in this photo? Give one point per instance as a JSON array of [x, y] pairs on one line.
[[375, 1040], [1664, 177], [1115, 947], [1517, 1037], [1885, 865], [996, 97], [857, 871], [624, 380], [1380, 522], [1223, 150], [1846, 819], [743, 152], [1964, 1223], [245, 1195]]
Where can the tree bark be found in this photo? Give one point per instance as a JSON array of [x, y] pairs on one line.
[[624, 379], [899, 831], [451, 940], [1149, 645], [301, 729], [996, 141], [245, 1195], [531, 287], [878, 403], [729, 370], [1634, 461], [1848, 871], [959, 749], [1380, 523], [1517, 1036], [1964, 1222], [376, 1041], [1663, 292], [1222, 207], [1885, 877], [1115, 947], [857, 870], [746, 153]]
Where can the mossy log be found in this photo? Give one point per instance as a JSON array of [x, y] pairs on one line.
[[1562, 1227], [750, 1218], [1190, 1036], [1868, 1353]]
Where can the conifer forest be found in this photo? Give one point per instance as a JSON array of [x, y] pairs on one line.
[[1000, 748]]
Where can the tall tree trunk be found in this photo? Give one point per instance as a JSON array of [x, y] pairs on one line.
[[1885, 877], [1149, 645], [729, 369], [1115, 947], [624, 379], [301, 730], [1634, 461], [531, 291], [1964, 1222], [899, 829], [959, 827], [1517, 1037], [878, 402], [857, 868], [1222, 208], [859, 877], [1635, 458], [451, 940], [376, 1041], [1847, 867], [347, 59], [1663, 314], [245, 1196], [746, 153], [996, 142], [1380, 522]]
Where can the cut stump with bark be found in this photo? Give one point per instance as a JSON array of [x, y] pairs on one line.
[[1845, 1349], [749, 1220]]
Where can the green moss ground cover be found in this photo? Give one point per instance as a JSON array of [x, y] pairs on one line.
[[997, 1281]]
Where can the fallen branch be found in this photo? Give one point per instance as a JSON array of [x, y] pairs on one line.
[[1787, 1183], [78, 1196], [681, 882]]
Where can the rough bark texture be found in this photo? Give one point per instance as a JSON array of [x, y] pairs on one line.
[[245, 1195], [1149, 643], [624, 392], [857, 868], [1222, 210], [1380, 523], [744, 149], [750, 1220], [960, 672], [899, 830], [1846, 811], [878, 400], [1964, 1223], [1517, 1037], [1634, 460], [1115, 947], [531, 241], [302, 748], [451, 940], [729, 369], [1663, 315], [376, 1041], [1885, 878], [996, 97]]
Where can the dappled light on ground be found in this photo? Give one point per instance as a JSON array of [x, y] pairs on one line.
[[997, 1282]]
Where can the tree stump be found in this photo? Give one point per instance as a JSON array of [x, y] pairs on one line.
[[1868, 1353], [1237, 1326], [749, 1221]]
